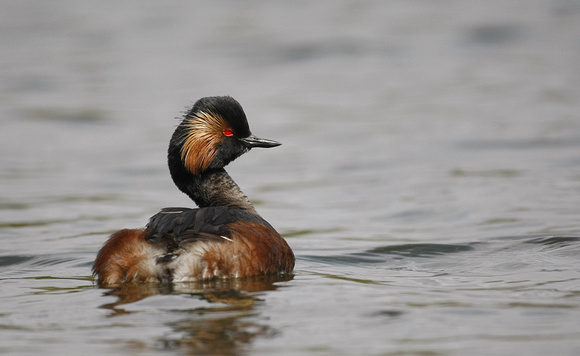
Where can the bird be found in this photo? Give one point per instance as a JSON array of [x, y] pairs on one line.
[[224, 237]]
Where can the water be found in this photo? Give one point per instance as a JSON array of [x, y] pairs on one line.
[[428, 182]]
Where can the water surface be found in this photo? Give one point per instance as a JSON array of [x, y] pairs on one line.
[[428, 181]]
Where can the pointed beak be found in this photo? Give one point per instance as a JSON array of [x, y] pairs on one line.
[[253, 141]]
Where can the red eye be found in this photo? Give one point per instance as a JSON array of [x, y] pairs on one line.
[[228, 132]]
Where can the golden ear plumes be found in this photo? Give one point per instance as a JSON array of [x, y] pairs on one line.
[[204, 132]]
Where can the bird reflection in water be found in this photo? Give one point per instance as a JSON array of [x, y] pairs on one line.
[[226, 329]]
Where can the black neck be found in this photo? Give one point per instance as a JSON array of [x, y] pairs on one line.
[[213, 187], [207, 188]]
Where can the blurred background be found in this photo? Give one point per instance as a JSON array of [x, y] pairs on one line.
[[428, 181]]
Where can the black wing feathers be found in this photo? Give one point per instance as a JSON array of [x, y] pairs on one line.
[[186, 224]]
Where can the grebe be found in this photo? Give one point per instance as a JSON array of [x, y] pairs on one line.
[[225, 237]]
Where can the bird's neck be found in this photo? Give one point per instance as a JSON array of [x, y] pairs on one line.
[[215, 187]]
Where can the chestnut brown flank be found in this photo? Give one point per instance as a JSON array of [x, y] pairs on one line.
[[257, 250], [123, 257]]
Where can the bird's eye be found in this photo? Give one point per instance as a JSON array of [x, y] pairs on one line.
[[228, 132]]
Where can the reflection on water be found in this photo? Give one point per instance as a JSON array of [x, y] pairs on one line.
[[220, 327]]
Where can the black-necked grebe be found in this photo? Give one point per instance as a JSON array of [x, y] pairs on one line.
[[225, 237]]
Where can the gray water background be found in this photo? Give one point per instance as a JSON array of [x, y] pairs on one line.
[[428, 181]]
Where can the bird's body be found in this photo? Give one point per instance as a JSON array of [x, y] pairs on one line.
[[225, 237]]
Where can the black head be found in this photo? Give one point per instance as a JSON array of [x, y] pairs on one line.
[[213, 133]]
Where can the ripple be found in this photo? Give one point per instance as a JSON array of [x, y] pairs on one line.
[[493, 34], [555, 241], [67, 115], [381, 254], [515, 144], [494, 173], [6, 261], [421, 250], [58, 266]]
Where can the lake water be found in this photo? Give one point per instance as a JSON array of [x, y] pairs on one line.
[[428, 181]]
